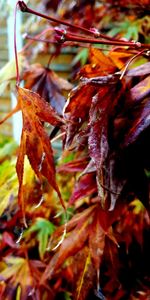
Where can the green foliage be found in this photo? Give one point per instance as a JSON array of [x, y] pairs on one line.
[[43, 229]]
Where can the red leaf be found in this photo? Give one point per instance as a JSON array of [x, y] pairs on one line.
[[98, 136], [48, 85], [141, 121], [74, 166], [85, 187], [96, 240], [71, 245], [77, 109]]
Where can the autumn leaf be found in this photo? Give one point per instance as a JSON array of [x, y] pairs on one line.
[[100, 64], [86, 275], [135, 219], [80, 97], [72, 244], [22, 277], [8, 72], [86, 186], [88, 228], [119, 58], [96, 240], [17, 270], [74, 166], [77, 233], [9, 186], [98, 136], [48, 85], [35, 110]]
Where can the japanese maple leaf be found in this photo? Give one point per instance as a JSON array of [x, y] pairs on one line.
[[86, 186], [86, 229], [17, 273], [77, 110], [21, 277], [102, 109], [35, 142], [48, 85], [100, 64], [79, 102]]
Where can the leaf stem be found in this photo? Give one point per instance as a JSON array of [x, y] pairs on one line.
[[130, 61], [76, 38], [15, 45], [93, 31], [38, 39]]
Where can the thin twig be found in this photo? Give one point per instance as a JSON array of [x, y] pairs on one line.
[[15, 46], [108, 41], [130, 61], [58, 137], [91, 31]]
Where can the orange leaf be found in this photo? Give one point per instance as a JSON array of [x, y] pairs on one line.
[[119, 58], [100, 64], [34, 141]]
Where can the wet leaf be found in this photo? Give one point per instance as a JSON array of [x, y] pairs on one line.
[[35, 110], [141, 90], [80, 97], [98, 136]]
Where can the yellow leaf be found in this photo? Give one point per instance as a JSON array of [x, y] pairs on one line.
[[9, 70], [81, 280]]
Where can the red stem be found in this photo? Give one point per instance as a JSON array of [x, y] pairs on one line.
[[76, 38], [34, 38], [25, 8], [15, 46]]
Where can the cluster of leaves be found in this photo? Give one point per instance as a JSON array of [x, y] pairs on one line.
[[80, 227]]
